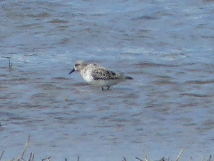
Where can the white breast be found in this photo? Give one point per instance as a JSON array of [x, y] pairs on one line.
[[86, 74]]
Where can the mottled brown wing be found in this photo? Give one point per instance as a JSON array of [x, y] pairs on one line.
[[103, 74]]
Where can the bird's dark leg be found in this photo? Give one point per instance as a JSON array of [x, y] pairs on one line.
[[107, 87]]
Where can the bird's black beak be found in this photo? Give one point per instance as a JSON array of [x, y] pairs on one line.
[[72, 71]]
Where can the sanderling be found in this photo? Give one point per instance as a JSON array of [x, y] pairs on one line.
[[98, 75]]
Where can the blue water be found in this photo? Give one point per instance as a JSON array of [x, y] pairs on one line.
[[166, 46]]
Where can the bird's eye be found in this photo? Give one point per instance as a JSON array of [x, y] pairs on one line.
[[76, 65]]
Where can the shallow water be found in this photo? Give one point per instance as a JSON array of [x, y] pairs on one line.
[[166, 46]]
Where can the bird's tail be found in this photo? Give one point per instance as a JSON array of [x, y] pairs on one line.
[[127, 77]]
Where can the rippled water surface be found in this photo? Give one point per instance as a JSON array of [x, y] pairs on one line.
[[166, 46]]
